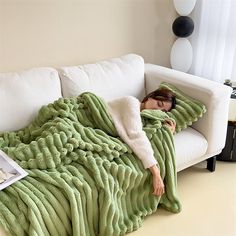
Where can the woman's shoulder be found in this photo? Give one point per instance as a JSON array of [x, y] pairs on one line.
[[126, 99], [125, 103], [131, 99]]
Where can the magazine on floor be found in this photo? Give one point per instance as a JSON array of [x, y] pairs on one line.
[[10, 171]]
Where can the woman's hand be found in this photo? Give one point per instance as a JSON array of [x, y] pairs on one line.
[[171, 124], [158, 185]]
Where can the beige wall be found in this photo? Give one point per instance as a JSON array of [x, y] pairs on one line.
[[71, 32]]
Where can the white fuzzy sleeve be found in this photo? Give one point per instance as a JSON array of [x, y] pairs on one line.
[[127, 120]]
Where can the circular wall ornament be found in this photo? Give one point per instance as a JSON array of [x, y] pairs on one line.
[[184, 7], [183, 26], [181, 55]]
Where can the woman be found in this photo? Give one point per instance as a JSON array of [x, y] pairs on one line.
[[164, 100], [126, 116]]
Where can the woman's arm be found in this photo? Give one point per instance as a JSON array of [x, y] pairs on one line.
[[158, 185], [126, 116]]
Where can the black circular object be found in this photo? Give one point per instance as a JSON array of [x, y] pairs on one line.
[[183, 26]]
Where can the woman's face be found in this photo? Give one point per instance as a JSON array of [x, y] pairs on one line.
[[155, 104]]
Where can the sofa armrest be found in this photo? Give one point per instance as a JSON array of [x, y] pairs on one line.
[[215, 96]]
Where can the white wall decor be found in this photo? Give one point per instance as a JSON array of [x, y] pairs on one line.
[[182, 53], [184, 7]]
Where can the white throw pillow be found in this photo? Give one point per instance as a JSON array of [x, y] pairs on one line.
[[22, 94], [110, 79]]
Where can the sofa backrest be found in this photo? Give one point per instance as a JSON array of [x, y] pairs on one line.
[[110, 79], [23, 93]]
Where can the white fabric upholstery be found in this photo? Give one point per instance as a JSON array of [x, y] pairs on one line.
[[189, 146], [23, 93], [213, 125], [110, 79]]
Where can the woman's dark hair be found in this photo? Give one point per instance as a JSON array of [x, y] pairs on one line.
[[162, 94]]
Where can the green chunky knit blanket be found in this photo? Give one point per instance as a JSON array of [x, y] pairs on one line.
[[83, 180]]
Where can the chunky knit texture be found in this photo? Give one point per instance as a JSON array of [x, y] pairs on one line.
[[83, 180]]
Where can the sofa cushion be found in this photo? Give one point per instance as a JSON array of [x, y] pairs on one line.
[[190, 146], [23, 93], [110, 79]]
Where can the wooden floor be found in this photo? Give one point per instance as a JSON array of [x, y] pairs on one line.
[[208, 205]]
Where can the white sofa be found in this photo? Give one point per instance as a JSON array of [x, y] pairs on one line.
[[23, 93]]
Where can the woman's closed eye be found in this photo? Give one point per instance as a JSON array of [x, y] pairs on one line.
[[164, 106], [161, 106]]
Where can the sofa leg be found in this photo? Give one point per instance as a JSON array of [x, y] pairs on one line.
[[211, 163]]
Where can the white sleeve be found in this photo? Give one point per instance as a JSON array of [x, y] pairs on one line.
[[127, 120]]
